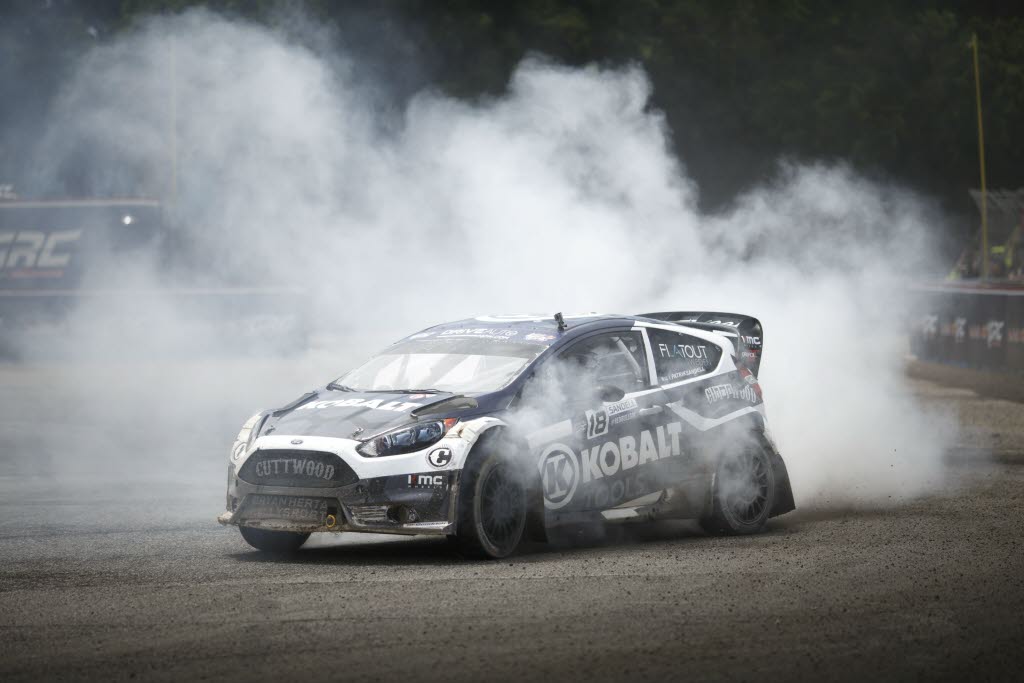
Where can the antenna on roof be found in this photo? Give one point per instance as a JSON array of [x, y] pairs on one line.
[[561, 322]]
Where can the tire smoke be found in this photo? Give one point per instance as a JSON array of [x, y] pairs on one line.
[[562, 194]]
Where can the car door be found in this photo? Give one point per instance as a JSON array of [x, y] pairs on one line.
[[684, 365], [596, 395]]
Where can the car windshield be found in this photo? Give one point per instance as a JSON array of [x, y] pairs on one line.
[[452, 365]]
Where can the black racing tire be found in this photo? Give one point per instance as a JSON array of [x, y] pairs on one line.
[[278, 542], [493, 503], [743, 492]]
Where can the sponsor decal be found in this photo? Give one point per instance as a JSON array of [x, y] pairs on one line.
[[294, 466], [439, 457], [285, 507], [296, 442], [364, 403], [534, 336], [690, 351], [994, 333], [684, 373], [959, 330], [30, 253], [425, 480], [597, 422], [720, 392], [562, 470], [930, 325], [238, 450], [623, 411], [750, 379], [531, 317], [604, 495], [727, 323], [559, 475], [751, 341], [485, 332], [517, 317]]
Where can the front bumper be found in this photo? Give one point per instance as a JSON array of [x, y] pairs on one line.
[[413, 493], [401, 504]]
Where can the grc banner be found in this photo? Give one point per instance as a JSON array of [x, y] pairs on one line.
[[971, 325]]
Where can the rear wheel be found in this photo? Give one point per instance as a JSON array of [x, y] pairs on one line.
[[492, 506], [273, 541], [743, 493]]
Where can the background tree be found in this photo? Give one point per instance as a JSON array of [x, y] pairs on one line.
[[884, 86]]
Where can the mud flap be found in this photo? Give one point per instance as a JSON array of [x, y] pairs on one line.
[[783, 491], [536, 526]]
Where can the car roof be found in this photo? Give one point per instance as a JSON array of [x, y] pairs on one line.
[[529, 321], [535, 328]]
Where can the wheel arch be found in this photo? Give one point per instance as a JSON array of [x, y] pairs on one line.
[[755, 424], [784, 501], [488, 434]]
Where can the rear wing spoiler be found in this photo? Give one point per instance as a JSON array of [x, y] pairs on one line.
[[743, 331]]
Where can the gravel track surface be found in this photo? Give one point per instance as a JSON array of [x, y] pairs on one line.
[[136, 580]]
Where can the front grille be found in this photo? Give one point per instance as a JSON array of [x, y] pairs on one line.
[[369, 514], [287, 508], [305, 469]]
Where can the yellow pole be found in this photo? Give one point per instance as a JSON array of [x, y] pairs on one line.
[[981, 158]]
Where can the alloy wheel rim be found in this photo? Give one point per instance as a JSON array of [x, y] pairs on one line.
[[501, 507], [748, 495]]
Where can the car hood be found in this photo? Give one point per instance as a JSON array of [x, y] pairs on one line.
[[349, 414]]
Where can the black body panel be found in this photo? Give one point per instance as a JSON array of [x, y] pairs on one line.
[[605, 452], [349, 414]]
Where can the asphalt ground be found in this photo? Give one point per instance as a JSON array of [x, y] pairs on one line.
[[112, 567]]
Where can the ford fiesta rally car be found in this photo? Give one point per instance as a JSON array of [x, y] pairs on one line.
[[497, 428]]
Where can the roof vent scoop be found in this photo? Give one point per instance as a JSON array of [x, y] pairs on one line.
[[561, 322]]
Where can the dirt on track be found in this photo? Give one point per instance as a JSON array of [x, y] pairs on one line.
[[137, 581]]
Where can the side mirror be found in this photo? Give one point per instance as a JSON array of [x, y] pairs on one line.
[[609, 393]]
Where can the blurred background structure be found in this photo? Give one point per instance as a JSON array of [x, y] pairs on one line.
[[887, 87], [889, 90]]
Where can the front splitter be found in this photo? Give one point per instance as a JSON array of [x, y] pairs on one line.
[[387, 505]]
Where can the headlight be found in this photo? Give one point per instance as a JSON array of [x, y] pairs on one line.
[[246, 435], [406, 439]]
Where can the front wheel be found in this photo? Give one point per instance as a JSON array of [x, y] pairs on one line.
[[492, 506], [743, 493], [273, 541]]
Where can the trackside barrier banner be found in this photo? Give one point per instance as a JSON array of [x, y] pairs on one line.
[[72, 263], [970, 325]]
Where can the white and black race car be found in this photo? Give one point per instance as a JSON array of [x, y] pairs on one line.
[[498, 428]]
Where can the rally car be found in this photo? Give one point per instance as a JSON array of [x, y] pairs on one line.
[[498, 428]]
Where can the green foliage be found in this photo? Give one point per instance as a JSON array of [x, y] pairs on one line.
[[886, 86]]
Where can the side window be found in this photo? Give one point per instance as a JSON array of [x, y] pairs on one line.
[[569, 379], [615, 359], [680, 356]]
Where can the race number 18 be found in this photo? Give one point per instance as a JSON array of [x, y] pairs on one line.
[[597, 423]]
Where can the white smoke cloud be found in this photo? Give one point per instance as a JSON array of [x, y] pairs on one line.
[[562, 194]]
